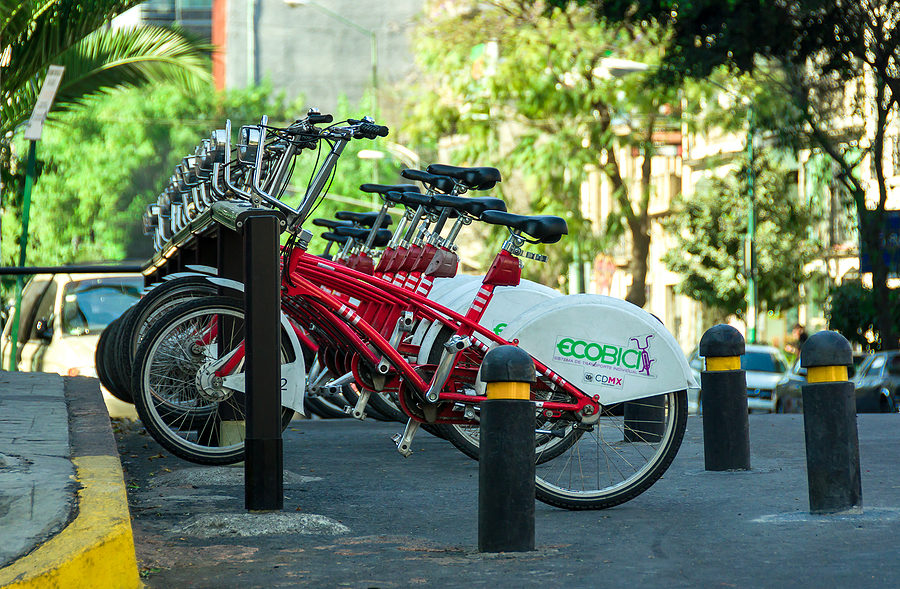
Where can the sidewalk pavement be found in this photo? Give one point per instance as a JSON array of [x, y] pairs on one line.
[[64, 519]]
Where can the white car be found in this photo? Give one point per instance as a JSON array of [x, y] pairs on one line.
[[764, 366], [62, 317]]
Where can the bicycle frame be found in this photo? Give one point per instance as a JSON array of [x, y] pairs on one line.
[[309, 273]]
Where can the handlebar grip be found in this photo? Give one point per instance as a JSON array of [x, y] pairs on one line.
[[319, 119], [371, 131]]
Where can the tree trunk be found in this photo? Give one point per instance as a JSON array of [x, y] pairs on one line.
[[870, 237], [873, 229], [639, 224], [640, 251]]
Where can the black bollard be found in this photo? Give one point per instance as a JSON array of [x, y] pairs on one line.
[[506, 455], [723, 386], [645, 419], [829, 420], [263, 446]]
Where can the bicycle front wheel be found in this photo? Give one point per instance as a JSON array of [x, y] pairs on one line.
[[618, 457], [202, 424]]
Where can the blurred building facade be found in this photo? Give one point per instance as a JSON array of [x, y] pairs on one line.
[[319, 49]]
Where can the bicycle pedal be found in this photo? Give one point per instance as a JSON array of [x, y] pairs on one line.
[[404, 440], [352, 412], [405, 452]]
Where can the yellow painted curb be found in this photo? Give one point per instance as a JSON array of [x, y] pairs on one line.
[[97, 548]]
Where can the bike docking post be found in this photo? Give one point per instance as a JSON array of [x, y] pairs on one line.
[[829, 421], [263, 445], [506, 459], [723, 385]]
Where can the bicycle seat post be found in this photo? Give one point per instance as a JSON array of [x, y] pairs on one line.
[[414, 222], [376, 225], [513, 244], [449, 241], [402, 225]]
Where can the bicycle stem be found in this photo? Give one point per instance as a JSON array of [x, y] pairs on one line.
[[318, 183]]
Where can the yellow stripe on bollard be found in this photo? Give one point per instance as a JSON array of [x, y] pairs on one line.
[[717, 364], [826, 374], [509, 390]]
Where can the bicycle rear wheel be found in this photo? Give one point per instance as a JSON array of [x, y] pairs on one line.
[[617, 458], [202, 425]]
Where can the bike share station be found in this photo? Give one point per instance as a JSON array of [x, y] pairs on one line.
[[399, 323], [582, 376]]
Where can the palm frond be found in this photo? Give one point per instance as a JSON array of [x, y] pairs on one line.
[[116, 58], [37, 32], [16, 14]]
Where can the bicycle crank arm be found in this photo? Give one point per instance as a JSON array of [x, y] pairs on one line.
[[358, 411], [404, 442], [452, 348], [339, 381]]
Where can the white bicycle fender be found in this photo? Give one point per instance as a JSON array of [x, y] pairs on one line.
[[507, 303], [606, 347], [444, 291], [293, 374]]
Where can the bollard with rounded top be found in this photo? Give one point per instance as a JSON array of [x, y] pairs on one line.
[[506, 454], [829, 421], [723, 385]]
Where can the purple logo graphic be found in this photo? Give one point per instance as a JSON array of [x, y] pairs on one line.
[[646, 361]]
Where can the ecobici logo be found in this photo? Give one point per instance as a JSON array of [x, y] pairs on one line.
[[634, 360]]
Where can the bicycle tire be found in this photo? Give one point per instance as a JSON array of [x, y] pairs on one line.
[[178, 416], [152, 306], [118, 364], [103, 371], [632, 465], [115, 385], [383, 402]]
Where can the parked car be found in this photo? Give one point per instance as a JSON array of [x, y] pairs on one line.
[[62, 317], [878, 383], [787, 392], [764, 366]]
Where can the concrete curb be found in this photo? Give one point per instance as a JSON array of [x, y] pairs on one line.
[[96, 549]]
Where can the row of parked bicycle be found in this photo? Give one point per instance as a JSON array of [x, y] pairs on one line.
[[378, 319]]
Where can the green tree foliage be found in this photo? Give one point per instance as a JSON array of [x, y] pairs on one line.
[[38, 33], [101, 164], [710, 230], [853, 310], [104, 162], [838, 62], [526, 90]]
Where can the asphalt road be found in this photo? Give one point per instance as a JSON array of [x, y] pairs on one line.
[[357, 514]]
